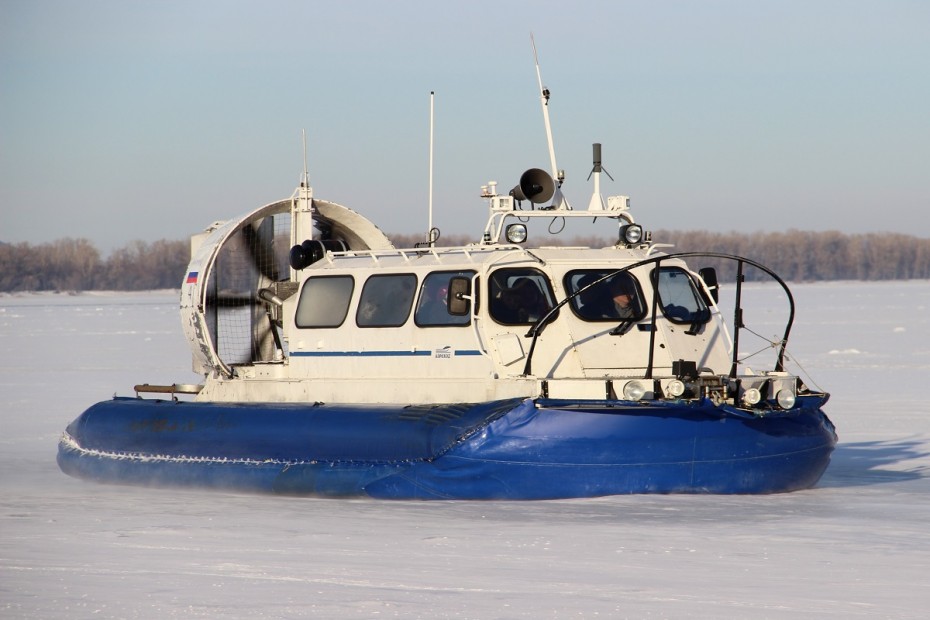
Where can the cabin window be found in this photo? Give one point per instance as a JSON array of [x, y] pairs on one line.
[[386, 300], [617, 298], [433, 304], [679, 297], [324, 301], [519, 296]]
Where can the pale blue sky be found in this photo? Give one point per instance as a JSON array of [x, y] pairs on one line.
[[124, 119]]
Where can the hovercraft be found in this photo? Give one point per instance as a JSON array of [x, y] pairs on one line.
[[335, 364]]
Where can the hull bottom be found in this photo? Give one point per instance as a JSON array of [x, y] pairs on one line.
[[502, 450]]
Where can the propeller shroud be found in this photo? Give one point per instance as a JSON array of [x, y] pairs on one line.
[[240, 271]]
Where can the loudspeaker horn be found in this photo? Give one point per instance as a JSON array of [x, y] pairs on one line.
[[535, 185]]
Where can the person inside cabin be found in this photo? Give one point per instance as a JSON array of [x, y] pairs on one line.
[[434, 308], [433, 303], [523, 302], [623, 295], [595, 301]]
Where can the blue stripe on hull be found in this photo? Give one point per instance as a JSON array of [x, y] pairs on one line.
[[391, 353], [505, 449]]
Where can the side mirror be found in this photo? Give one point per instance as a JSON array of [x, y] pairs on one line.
[[709, 275], [459, 300]]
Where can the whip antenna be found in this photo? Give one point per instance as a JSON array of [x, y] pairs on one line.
[[557, 175], [431, 233], [305, 179], [544, 100]]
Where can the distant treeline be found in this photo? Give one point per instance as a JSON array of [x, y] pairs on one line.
[[797, 256], [75, 265], [804, 256]]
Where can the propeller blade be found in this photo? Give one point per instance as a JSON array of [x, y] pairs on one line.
[[259, 241], [231, 300]]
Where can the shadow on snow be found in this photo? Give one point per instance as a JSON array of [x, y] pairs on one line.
[[876, 462]]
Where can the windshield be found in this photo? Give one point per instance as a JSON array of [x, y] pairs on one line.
[[679, 297]]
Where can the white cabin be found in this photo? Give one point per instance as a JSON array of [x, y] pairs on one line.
[[343, 316]]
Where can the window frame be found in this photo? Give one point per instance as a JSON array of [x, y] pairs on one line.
[[455, 320], [362, 300], [495, 305], [301, 300], [698, 316]]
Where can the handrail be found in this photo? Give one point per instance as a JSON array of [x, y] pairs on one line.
[[737, 317], [537, 328]]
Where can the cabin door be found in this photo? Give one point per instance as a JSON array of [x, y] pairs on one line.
[[616, 349]]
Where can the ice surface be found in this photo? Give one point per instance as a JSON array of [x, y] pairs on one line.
[[857, 546]]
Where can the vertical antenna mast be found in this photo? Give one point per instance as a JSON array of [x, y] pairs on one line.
[[429, 230], [302, 204], [305, 179]]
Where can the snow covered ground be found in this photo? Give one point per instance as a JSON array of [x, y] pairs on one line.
[[856, 546]]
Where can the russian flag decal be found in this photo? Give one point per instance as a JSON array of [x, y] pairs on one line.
[[192, 278]]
